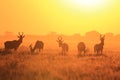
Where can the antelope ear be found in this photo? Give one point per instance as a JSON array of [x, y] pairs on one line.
[[18, 36], [23, 36]]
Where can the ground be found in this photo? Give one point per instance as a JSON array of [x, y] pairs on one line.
[[23, 65]]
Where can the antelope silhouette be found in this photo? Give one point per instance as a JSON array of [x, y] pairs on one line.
[[81, 48], [15, 43], [39, 45], [98, 48], [64, 46]]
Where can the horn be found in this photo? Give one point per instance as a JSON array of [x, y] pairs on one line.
[[22, 33], [18, 33], [100, 35], [59, 38], [103, 36]]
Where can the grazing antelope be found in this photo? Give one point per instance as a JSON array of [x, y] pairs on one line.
[[38, 45], [81, 48], [98, 48], [64, 46], [15, 43]]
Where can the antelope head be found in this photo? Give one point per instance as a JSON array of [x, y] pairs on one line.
[[31, 49], [60, 41], [21, 36], [102, 37]]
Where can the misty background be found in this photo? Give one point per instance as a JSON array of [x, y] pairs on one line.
[[112, 42]]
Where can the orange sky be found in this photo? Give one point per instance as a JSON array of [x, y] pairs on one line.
[[62, 16]]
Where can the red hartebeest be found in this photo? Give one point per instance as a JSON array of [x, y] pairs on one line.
[[64, 46]]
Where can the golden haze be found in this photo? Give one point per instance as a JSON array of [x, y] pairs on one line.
[[42, 17]]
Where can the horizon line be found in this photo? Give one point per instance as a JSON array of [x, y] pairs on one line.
[[56, 33]]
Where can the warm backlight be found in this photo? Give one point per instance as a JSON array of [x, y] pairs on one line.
[[89, 5], [61, 16]]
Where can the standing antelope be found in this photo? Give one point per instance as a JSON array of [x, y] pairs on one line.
[[15, 43], [38, 45], [81, 48], [98, 48], [64, 46]]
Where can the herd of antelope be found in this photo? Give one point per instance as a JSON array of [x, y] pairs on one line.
[[39, 45]]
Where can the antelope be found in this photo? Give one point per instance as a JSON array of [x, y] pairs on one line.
[[64, 46], [98, 48], [15, 43], [81, 48], [38, 45]]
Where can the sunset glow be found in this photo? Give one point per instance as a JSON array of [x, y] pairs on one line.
[[60, 39], [87, 4], [61, 16]]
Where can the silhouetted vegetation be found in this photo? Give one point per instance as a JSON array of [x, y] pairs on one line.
[[23, 65]]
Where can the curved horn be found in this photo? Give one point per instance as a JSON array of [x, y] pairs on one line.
[[100, 35], [22, 33], [59, 38], [18, 33], [103, 36]]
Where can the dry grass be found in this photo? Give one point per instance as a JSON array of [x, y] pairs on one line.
[[52, 66]]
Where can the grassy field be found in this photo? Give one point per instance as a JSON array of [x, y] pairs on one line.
[[52, 66]]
